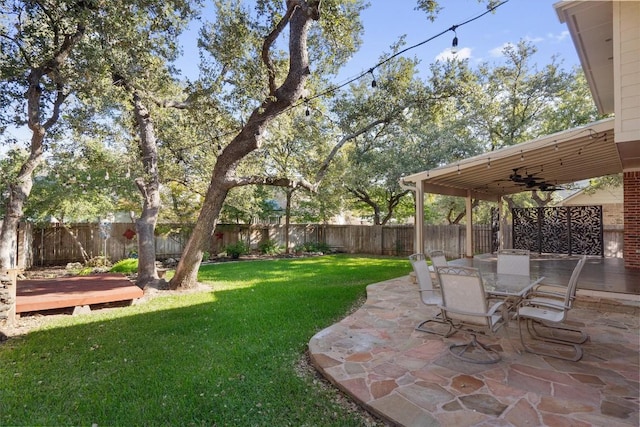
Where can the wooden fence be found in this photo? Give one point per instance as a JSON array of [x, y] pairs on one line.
[[58, 245]]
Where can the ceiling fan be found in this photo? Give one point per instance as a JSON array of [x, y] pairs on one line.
[[531, 181]]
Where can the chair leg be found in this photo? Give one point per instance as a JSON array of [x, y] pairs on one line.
[[576, 349], [582, 338], [421, 327], [461, 351]]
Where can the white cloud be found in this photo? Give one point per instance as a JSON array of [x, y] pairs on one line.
[[497, 52], [558, 37], [534, 40], [464, 53]]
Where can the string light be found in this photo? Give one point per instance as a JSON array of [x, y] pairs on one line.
[[306, 111], [454, 42], [374, 83]]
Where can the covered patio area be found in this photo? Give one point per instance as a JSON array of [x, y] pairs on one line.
[[543, 164], [408, 377], [599, 274]]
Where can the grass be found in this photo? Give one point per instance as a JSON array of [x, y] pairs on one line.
[[226, 357]]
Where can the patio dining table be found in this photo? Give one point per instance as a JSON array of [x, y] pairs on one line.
[[509, 285], [511, 288]]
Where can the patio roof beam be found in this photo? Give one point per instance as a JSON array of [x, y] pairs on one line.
[[457, 192]]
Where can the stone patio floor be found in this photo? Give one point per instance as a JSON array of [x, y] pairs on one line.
[[408, 378]]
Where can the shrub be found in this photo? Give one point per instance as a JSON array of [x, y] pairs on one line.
[[312, 247], [98, 261], [125, 266], [322, 247], [234, 250], [205, 256], [270, 247]]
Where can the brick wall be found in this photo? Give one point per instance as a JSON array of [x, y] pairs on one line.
[[632, 219]]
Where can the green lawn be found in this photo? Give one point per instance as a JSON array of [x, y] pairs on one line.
[[224, 358]]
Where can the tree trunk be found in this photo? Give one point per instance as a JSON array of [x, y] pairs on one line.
[[299, 16], [187, 270], [20, 189], [362, 195], [150, 191], [18, 193]]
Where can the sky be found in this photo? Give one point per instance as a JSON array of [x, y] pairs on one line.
[[482, 40], [479, 41]]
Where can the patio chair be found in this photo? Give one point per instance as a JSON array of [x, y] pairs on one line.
[[428, 295], [438, 259], [465, 306], [544, 313], [513, 261]]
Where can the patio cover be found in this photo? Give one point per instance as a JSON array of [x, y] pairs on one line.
[[569, 156], [581, 153]]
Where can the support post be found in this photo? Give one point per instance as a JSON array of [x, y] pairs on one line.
[[469, 215], [419, 219]]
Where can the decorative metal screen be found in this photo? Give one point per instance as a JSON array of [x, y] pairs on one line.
[[563, 230]]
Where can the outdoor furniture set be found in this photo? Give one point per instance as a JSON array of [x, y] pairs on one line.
[[483, 302]]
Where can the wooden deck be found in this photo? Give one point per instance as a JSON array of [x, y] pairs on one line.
[[73, 291], [598, 274]]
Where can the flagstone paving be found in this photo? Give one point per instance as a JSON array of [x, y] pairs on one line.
[[408, 378]]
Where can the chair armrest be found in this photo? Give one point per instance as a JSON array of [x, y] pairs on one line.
[[537, 287], [535, 293], [552, 295], [495, 307], [543, 304]]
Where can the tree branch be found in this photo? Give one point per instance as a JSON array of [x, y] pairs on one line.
[[272, 181], [55, 114], [364, 197], [346, 138], [186, 184], [268, 42], [392, 204], [142, 187]]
